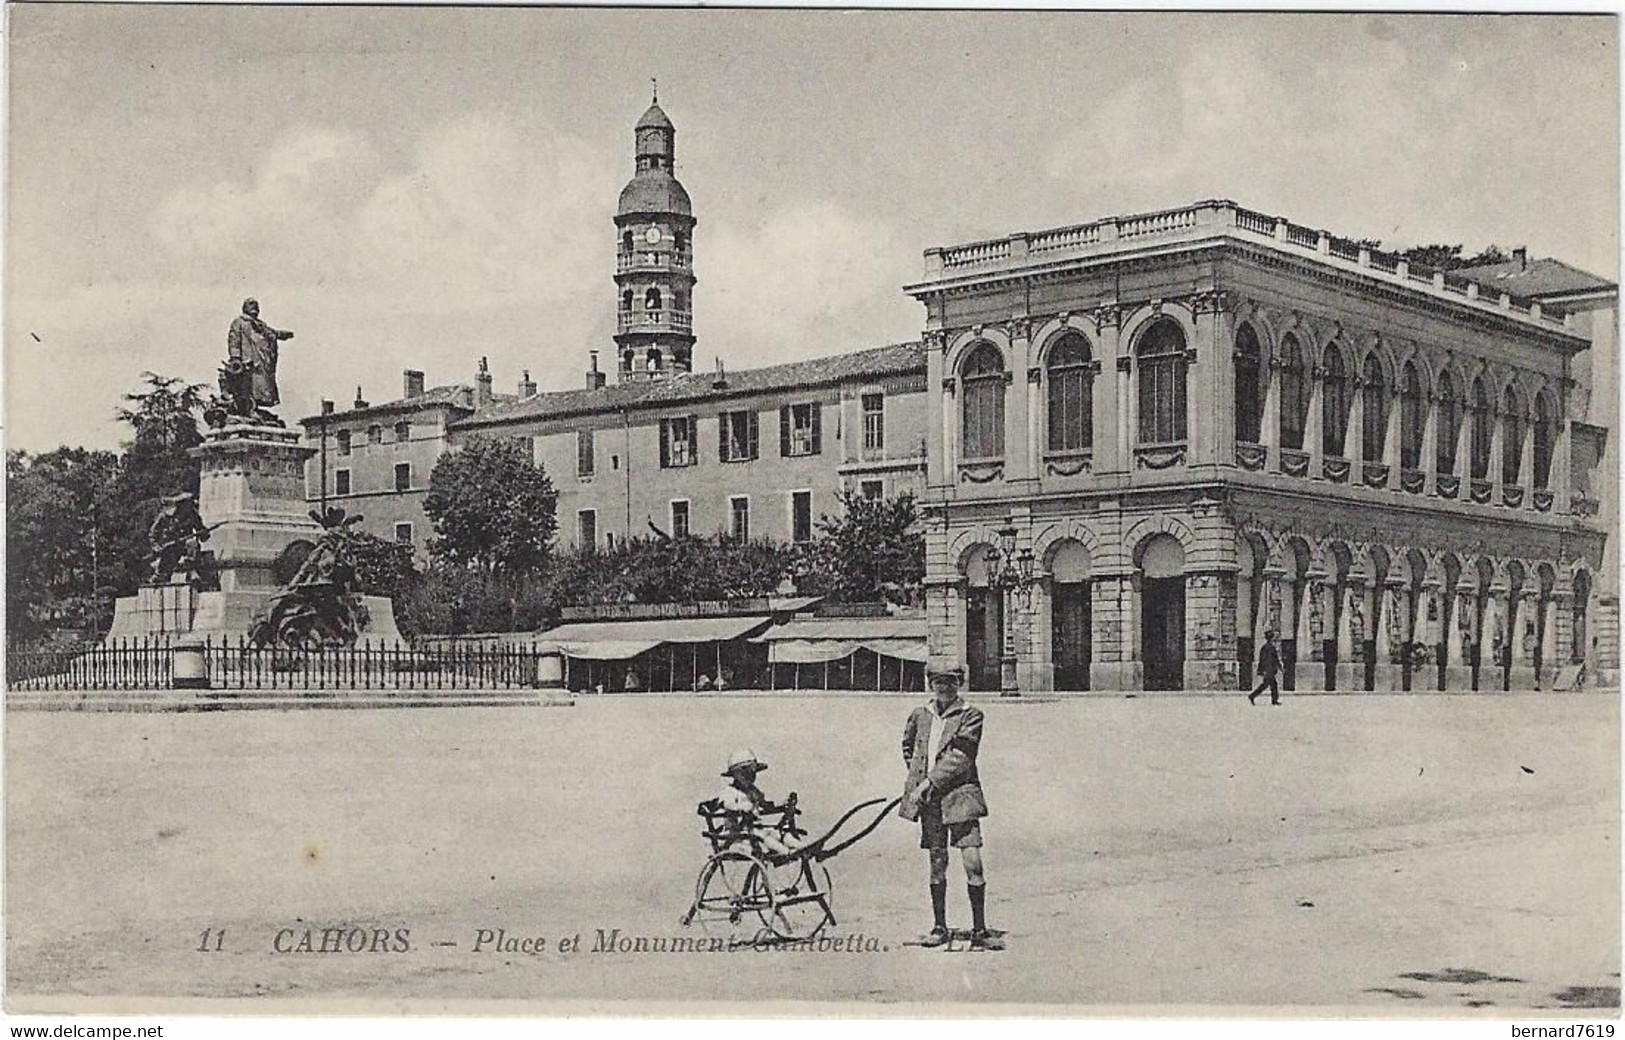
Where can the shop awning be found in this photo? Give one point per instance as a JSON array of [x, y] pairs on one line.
[[620, 640], [814, 640]]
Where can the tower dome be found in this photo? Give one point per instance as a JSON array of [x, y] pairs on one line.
[[654, 266]]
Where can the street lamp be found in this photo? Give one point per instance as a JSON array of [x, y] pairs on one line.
[[1011, 572]]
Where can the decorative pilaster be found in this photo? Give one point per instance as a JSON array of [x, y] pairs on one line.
[[950, 430], [1391, 639], [1110, 409], [1313, 420], [1390, 439], [1351, 631], [1551, 656], [1428, 463], [1526, 464], [1269, 427], [1210, 422], [1492, 645], [1310, 635], [1524, 637], [1017, 434], [1458, 671], [1497, 436]]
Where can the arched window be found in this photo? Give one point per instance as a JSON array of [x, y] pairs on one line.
[[1071, 395], [678, 300], [653, 361], [1412, 417], [1511, 438], [626, 300], [1483, 430], [651, 299], [982, 376], [1545, 434], [1334, 403], [626, 242], [1444, 453], [1249, 394], [1374, 408], [679, 241], [1162, 383], [1294, 393]]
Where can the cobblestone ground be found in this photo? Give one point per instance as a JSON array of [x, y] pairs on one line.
[[1401, 855]]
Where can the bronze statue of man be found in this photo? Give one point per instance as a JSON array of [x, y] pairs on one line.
[[254, 343]]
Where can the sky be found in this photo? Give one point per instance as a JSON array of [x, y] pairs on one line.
[[418, 188]]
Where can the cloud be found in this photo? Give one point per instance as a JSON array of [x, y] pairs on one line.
[[812, 277]]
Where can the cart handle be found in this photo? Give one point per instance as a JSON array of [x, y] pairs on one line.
[[817, 851]]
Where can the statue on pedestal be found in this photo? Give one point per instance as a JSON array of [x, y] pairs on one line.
[[248, 389], [321, 605], [176, 535]]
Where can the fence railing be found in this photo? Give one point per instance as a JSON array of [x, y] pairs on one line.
[[237, 665]]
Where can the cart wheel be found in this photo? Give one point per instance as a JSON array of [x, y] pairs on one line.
[[731, 891], [801, 897]]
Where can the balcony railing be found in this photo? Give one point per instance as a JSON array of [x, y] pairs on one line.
[[1218, 215], [653, 261], [681, 321]]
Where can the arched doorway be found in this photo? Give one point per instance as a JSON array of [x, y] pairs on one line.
[[1579, 639], [1162, 612], [984, 622], [1070, 615]]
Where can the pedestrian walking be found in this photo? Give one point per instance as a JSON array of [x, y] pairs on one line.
[[1269, 669]]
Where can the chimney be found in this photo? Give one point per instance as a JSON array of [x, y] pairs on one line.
[[595, 378], [482, 383], [719, 380], [327, 407], [411, 383], [1521, 254], [526, 387], [360, 402]]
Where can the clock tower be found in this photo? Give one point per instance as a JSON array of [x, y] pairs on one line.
[[654, 260]]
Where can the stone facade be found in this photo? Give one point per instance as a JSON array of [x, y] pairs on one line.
[[1264, 406]]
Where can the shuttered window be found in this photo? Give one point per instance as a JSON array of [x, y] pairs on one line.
[[800, 430], [585, 463], [737, 436]]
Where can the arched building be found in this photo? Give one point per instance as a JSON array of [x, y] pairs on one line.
[[1192, 426]]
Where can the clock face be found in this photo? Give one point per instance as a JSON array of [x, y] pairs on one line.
[[652, 236]]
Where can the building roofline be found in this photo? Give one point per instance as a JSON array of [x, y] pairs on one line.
[[655, 395], [1023, 254]]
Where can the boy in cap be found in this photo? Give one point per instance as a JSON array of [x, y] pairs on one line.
[[744, 798], [943, 791]]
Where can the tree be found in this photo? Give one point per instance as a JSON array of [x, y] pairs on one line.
[[382, 567], [63, 542], [492, 509], [1440, 257], [671, 570], [163, 419], [873, 551]]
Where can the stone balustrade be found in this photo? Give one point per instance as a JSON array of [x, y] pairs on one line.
[[1223, 216]]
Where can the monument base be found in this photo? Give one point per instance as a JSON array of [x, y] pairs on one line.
[[170, 612]]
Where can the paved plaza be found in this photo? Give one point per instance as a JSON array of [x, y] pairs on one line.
[[1404, 855]]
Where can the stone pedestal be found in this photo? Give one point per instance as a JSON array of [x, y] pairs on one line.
[[154, 612], [251, 482], [1117, 676], [1458, 678], [1390, 677], [1522, 678]]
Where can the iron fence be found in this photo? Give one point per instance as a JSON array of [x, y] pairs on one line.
[[134, 664]]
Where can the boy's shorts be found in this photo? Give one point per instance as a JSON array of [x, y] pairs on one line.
[[934, 834]]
